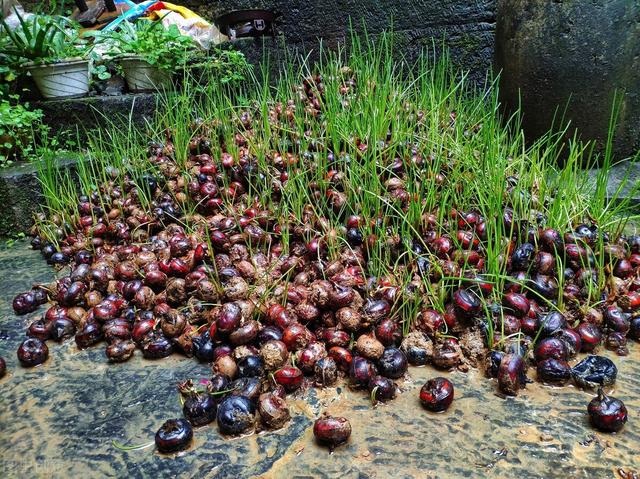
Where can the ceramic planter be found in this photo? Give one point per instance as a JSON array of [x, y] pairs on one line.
[[142, 76], [67, 79]]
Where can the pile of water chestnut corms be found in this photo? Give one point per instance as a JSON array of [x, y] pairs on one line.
[[272, 321]]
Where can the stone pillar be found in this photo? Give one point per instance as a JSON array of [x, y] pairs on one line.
[[573, 54]]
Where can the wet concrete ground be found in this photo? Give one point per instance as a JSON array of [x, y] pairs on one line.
[[59, 420]]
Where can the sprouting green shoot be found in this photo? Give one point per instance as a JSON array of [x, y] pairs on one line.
[[131, 447]]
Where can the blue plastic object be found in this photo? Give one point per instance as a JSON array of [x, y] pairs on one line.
[[136, 10]]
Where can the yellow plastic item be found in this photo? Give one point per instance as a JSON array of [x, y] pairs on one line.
[[189, 23], [184, 11]]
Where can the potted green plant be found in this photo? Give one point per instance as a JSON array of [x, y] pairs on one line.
[[148, 53], [49, 48]]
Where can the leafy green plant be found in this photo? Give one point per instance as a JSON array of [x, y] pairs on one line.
[[101, 72], [225, 66], [8, 75], [17, 127], [164, 48], [58, 7], [8, 68], [14, 239], [42, 39]]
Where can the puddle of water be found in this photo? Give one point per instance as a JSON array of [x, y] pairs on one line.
[[60, 418]]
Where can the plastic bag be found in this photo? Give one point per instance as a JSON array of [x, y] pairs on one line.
[[189, 23], [9, 8], [136, 10]]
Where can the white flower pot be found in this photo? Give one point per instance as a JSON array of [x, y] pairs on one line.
[[141, 76], [68, 79]]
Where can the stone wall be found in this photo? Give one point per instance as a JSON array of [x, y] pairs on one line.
[[466, 26]]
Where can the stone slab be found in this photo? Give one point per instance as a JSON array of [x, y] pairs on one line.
[[21, 196]]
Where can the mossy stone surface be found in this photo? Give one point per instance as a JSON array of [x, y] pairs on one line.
[[21, 196], [570, 57]]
